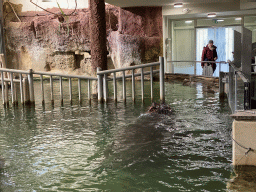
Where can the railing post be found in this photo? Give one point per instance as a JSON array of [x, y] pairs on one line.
[[194, 68], [31, 87], [79, 90], [114, 87], [61, 91], [133, 86], [151, 83], [162, 90], [51, 87], [105, 87], [2, 82], [21, 90], [247, 96], [221, 85], [124, 87], [42, 89], [235, 91], [89, 90], [70, 90], [12, 87], [142, 84], [100, 86], [26, 91]]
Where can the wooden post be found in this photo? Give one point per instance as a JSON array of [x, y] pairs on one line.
[[42, 89], [61, 91], [133, 86], [12, 87], [79, 90], [114, 87], [51, 87], [142, 84], [124, 87], [70, 89], [151, 82], [162, 89], [100, 86], [26, 91], [21, 90], [3, 93], [31, 87], [105, 87]]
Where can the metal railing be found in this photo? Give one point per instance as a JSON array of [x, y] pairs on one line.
[[103, 80], [194, 65], [25, 79], [238, 90]]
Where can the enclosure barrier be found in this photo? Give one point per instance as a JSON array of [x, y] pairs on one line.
[[103, 80], [25, 80], [231, 79], [195, 62]]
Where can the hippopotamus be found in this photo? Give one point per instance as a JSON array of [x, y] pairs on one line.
[[160, 108]]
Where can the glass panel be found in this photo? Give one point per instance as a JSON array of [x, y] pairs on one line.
[[219, 21], [250, 23], [183, 47]]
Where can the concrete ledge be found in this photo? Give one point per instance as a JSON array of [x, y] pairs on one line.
[[249, 115]]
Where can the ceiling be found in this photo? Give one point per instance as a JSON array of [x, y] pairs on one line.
[[134, 3]]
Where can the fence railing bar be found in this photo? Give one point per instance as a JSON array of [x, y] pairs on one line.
[[142, 85], [105, 87], [31, 86], [124, 87], [61, 91], [12, 87], [133, 85], [128, 68], [89, 90], [115, 87], [3, 88], [79, 90], [135, 75], [51, 87], [42, 89], [64, 75], [70, 89], [151, 82], [21, 89]]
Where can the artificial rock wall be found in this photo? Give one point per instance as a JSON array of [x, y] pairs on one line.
[[41, 42]]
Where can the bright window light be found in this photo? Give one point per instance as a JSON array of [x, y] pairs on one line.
[[220, 20], [211, 15], [238, 19], [188, 21]]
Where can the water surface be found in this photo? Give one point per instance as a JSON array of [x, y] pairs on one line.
[[118, 147]]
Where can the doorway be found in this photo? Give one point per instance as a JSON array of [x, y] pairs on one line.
[[223, 38]]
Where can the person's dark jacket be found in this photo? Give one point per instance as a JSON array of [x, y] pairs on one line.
[[208, 54]]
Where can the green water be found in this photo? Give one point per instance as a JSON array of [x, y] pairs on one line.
[[118, 147]]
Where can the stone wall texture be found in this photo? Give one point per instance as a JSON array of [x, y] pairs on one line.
[[44, 41]]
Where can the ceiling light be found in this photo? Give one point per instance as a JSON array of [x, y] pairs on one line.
[[46, 0], [220, 20], [238, 19], [177, 5], [188, 21], [211, 15]]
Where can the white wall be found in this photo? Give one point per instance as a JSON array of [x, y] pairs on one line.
[[65, 4]]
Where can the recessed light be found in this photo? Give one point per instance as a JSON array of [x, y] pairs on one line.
[[177, 5], [46, 0], [211, 15], [188, 21], [220, 20], [238, 19]]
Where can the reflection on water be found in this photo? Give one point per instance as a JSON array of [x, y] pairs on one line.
[[118, 147]]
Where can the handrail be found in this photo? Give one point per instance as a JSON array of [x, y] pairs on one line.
[[136, 75], [240, 73], [128, 68], [14, 71], [64, 75], [198, 62]]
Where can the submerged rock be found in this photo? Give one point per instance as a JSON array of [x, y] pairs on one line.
[[160, 108]]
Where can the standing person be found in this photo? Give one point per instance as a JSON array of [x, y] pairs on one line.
[[209, 54]]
